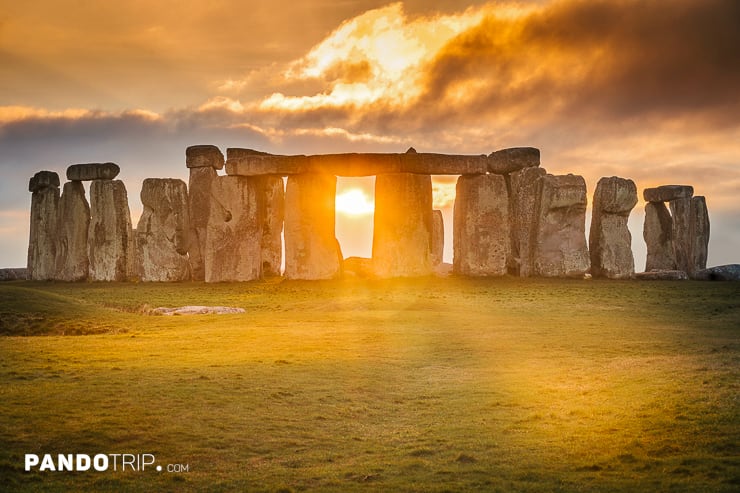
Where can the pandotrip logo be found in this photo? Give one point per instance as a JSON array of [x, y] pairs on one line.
[[98, 463]]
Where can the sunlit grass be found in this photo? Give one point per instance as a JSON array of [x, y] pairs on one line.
[[429, 385]]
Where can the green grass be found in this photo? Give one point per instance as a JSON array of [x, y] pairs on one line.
[[425, 385]]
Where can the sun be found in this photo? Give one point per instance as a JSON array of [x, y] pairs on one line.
[[354, 202]]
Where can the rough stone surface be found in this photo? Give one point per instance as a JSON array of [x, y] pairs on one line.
[[523, 202], [92, 171], [666, 193], [443, 164], [698, 234], [610, 241], [559, 248], [42, 242], [234, 238], [481, 243], [662, 275], [658, 235], [43, 179], [204, 156], [72, 263], [730, 272], [513, 159], [358, 267], [110, 238], [311, 248], [197, 310], [162, 232], [681, 215], [273, 196], [199, 200], [13, 274], [402, 226], [438, 237], [247, 162]]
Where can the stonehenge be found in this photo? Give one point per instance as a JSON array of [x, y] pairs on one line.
[[510, 217], [610, 241], [677, 236], [162, 231]]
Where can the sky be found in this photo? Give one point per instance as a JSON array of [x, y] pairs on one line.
[[646, 90]]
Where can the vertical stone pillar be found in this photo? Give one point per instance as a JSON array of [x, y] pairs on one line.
[[658, 235], [110, 237], [202, 161], [560, 248], [438, 237], [523, 199], [402, 225], [311, 249], [233, 247], [481, 235], [610, 241], [273, 193], [699, 234], [42, 242], [162, 232], [72, 263], [681, 214]]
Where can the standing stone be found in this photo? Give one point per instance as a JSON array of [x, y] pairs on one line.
[[42, 242], [199, 199], [273, 196], [233, 250], [162, 232], [699, 234], [438, 237], [402, 225], [681, 214], [481, 238], [658, 235], [72, 263], [610, 241], [202, 161], [110, 238], [311, 249], [524, 190], [559, 248]]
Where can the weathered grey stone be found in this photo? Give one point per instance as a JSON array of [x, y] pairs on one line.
[[162, 232], [560, 242], [681, 215], [199, 200], [43, 179], [110, 238], [481, 242], [658, 235], [443, 164], [234, 238], [247, 162], [273, 197], [13, 274], [42, 243], [72, 263], [92, 171], [610, 241], [666, 193], [662, 275], [311, 249], [438, 237], [402, 226], [698, 234], [730, 272], [204, 156], [513, 159], [523, 202]]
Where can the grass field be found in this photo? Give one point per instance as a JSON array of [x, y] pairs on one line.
[[424, 385]]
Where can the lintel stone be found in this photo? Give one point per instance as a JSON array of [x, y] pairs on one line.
[[666, 193], [92, 171]]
